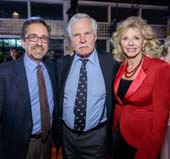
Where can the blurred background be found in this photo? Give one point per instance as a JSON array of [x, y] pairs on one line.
[[108, 13]]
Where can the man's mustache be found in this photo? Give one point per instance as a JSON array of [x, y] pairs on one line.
[[37, 47], [82, 45]]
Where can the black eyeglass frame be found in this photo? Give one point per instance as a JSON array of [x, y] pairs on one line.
[[35, 38]]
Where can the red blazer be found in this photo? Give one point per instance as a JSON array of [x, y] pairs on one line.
[[144, 114]]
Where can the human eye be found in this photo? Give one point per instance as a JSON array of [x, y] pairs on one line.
[[45, 38], [137, 38], [87, 33], [124, 38], [33, 37], [76, 35]]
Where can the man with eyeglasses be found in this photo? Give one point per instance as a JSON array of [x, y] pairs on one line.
[[22, 134]]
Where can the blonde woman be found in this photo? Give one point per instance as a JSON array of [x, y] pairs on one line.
[[142, 92]]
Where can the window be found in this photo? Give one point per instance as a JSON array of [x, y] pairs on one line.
[[5, 44], [18, 42], [7, 8], [9, 42], [154, 16], [119, 14], [47, 11], [99, 13], [1, 42]]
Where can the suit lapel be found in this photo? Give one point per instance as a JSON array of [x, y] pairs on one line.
[[51, 72], [104, 64], [66, 69], [136, 82], [117, 81], [20, 80], [63, 73]]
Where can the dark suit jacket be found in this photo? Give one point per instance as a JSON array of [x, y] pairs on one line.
[[144, 113], [15, 109], [9, 58], [109, 68]]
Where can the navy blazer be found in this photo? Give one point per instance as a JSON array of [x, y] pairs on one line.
[[109, 68], [15, 108]]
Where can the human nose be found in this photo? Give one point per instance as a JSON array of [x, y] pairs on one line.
[[130, 41], [82, 39], [39, 40]]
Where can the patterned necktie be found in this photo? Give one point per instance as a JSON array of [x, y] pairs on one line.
[[81, 99], [44, 107]]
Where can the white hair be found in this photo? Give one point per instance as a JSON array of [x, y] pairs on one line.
[[76, 18]]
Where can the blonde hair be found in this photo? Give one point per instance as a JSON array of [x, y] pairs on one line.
[[152, 44]]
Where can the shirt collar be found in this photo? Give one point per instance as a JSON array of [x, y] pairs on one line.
[[30, 64], [93, 58]]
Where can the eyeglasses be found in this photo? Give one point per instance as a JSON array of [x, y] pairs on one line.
[[35, 38]]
